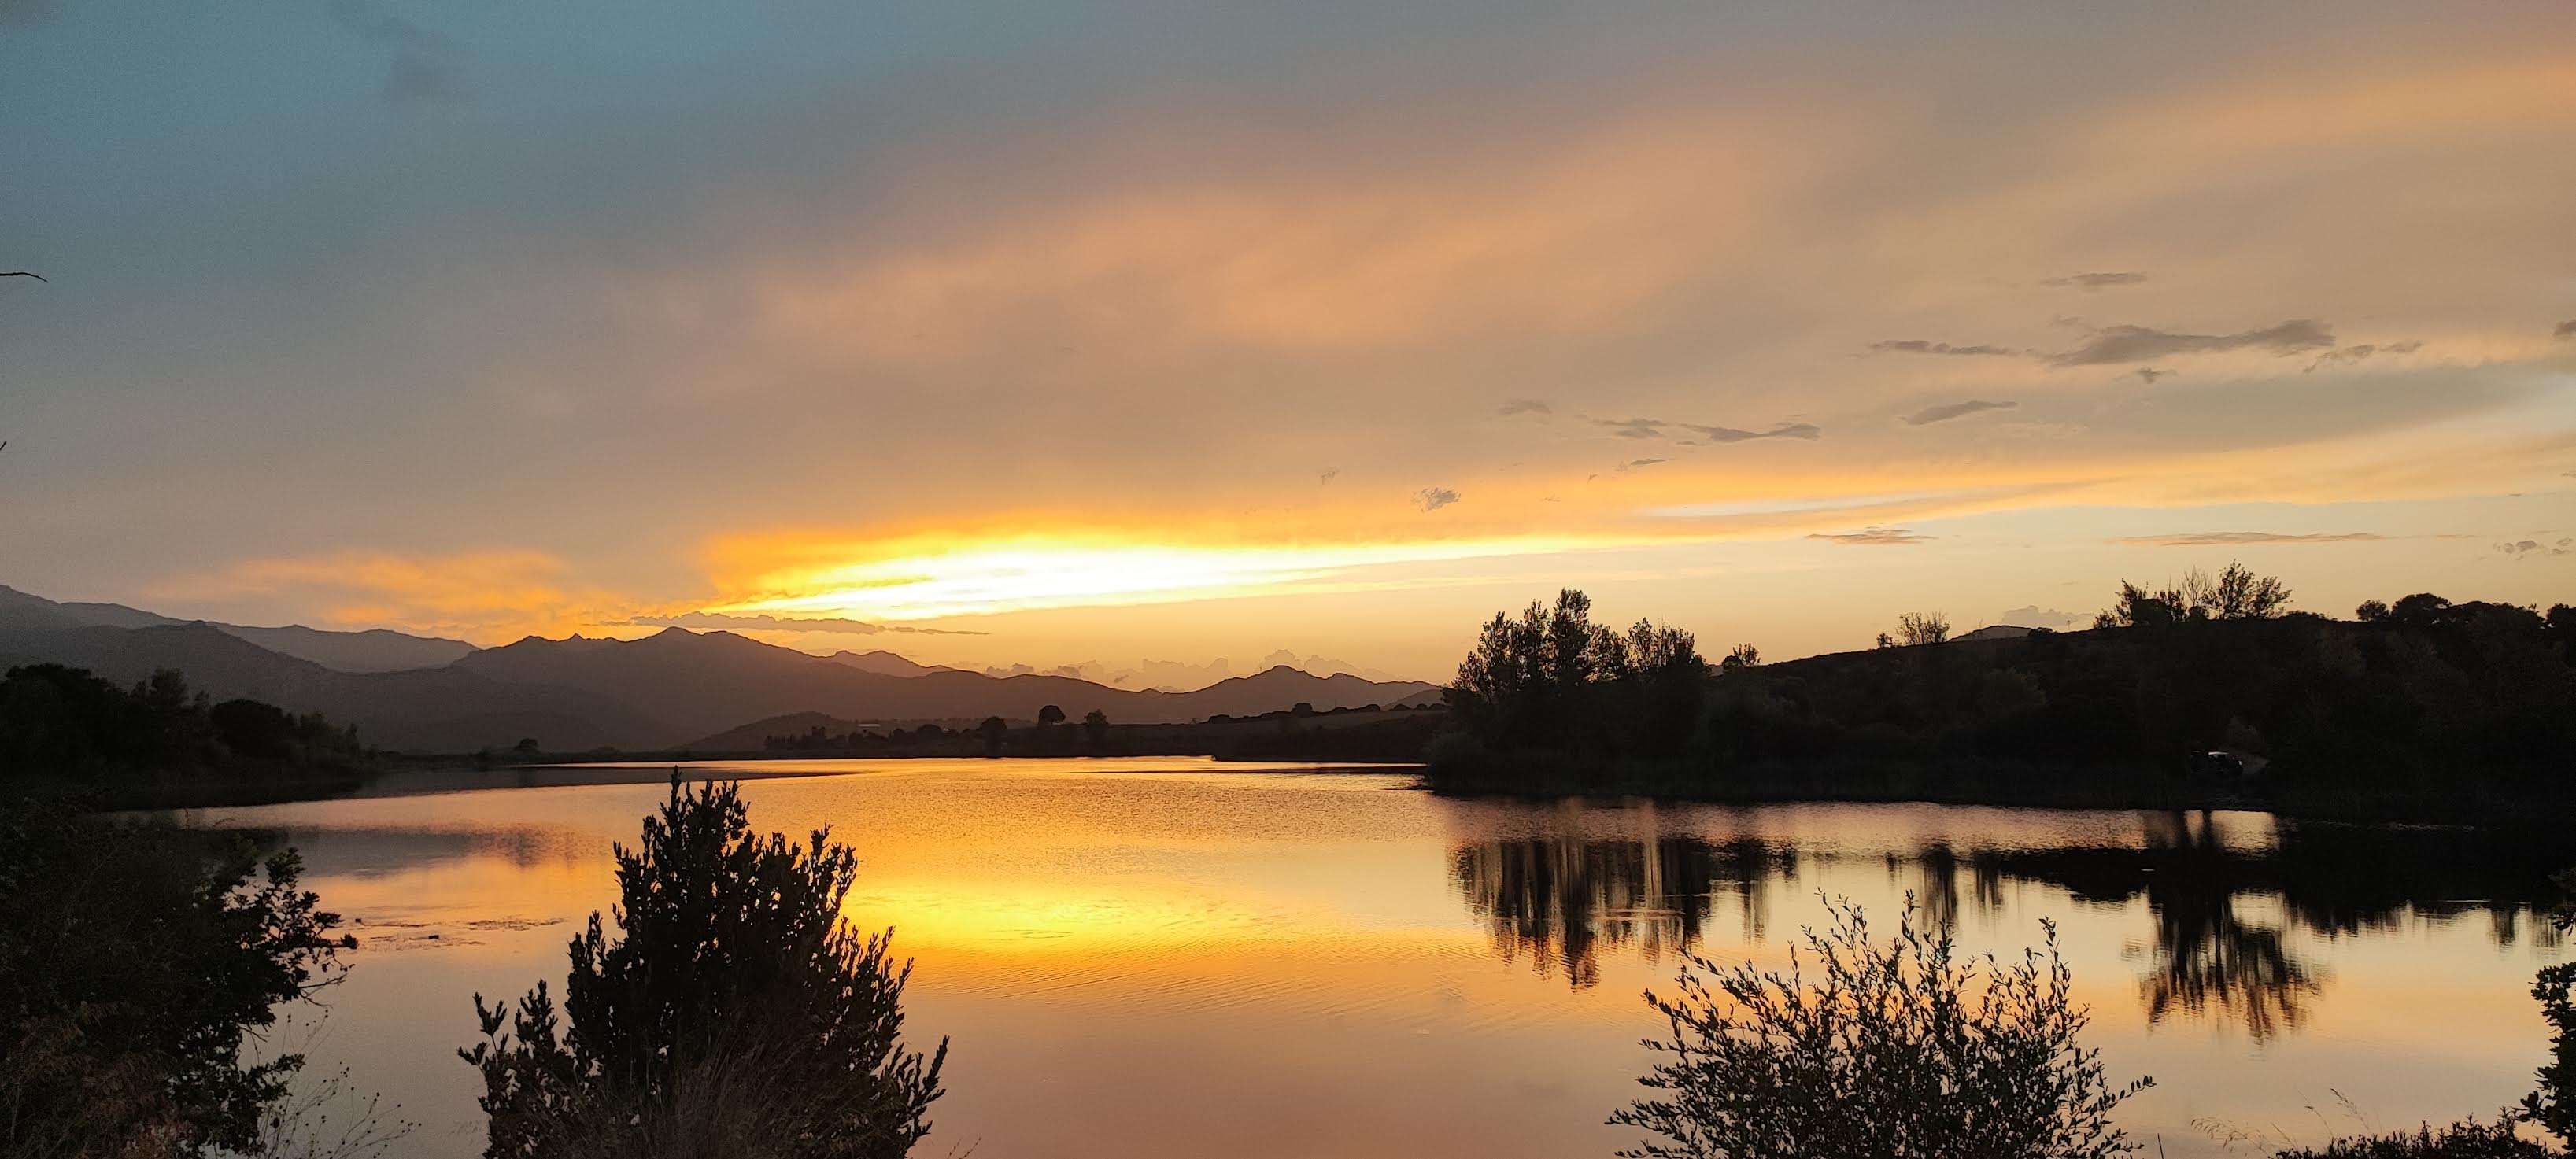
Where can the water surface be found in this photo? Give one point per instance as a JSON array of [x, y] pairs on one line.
[[1169, 957]]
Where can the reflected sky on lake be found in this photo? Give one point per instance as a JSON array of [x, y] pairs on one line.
[[1168, 957]]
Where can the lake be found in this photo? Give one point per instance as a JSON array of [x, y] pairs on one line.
[[1170, 957]]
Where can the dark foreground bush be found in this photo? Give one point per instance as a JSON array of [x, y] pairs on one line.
[[134, 963], [736, 1015], [2467, 1140], [1901, 1050]]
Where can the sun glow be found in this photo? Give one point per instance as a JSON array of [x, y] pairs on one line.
[[1037, 573]]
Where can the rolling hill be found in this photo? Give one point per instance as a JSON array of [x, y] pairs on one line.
[[578, 694], [375, 650]]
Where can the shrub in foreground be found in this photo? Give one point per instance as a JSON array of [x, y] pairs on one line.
[[1900, 1049], [2465, 1140], [134, 964], [736, 1014]]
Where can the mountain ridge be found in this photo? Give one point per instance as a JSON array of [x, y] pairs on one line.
[[580, 694]]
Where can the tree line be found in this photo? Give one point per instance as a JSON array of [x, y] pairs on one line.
[[69, 726], [2471, 704]]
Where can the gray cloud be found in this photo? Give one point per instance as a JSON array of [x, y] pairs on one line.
[[1808, 431], [2149, 374], [1923, 346], [2116, 344], [2347, 355], [2566, 329], [777, 624], [1633, 464], [1947, 411], [2035, 616], [1874, 537], [2098, 281], [428, 67], [1327, 475], [1434, 498], [416, 80], [1523, 406], [1634, 428], [2235, 538], [2525, 548]]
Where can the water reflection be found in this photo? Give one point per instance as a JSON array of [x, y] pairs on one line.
[[2227, 909], [1555, 903]]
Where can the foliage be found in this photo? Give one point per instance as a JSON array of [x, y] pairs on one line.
[[1554, 680], [60, 721], [1914, 628], [1740, 657], [2434, 709], [133, 963], [1898, 1049], [736, 1013], [2234, 594], [2464, 1140], [2553, 1106]]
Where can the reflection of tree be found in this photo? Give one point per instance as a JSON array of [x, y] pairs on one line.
[[1556, 902], [2206, 961]]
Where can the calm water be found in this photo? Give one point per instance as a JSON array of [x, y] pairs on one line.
[[1163, 957]]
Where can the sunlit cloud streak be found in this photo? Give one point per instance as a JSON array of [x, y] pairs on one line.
[[1874, 537], [2244, 538], [933, 581], [2117, 344], [1926, 346], [2098, 281], [1947, 411], [832, 624]]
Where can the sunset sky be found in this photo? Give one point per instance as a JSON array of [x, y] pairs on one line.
[[1056, 332]]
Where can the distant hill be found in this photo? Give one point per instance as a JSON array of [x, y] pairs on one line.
[[431, 709], [411, 693], [885, 663], [20, 611], [712, 681], [375, 650]]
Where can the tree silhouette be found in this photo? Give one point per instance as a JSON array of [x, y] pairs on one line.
[[736, 1011], [993, 730], [1922, 628], [1050, 716]]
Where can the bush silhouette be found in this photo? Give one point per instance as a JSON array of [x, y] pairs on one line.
[[736, 1013], [1898, 1050], [134, 964]]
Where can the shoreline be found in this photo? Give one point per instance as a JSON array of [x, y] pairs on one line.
[[1984, 787], [2451, 802]]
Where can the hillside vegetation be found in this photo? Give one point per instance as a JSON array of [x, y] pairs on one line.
[[2210, 692]]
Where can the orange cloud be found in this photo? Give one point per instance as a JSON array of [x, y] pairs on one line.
[[482, 596]]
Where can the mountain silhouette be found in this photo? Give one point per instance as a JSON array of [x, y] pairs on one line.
[[427, 709], [712, 681], [411, 693], [375, 650], [886, 663]]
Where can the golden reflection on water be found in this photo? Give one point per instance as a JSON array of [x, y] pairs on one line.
[[1156, 957]]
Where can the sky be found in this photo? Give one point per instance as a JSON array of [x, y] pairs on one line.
[[1066, 332]]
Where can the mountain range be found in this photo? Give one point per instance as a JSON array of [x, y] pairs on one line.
[[578, 694]]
